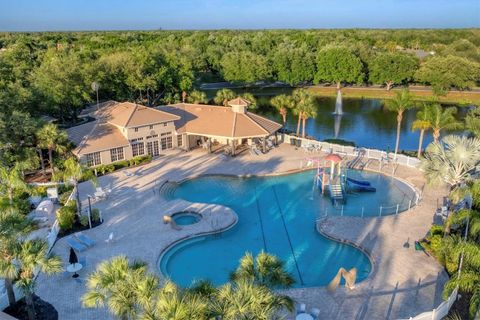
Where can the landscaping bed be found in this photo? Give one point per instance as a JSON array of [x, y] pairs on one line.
[[43, 310]]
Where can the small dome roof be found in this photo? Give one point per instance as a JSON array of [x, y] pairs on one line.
[[333, 157]]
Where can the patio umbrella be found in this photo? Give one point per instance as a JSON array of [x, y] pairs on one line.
[[73, 257]]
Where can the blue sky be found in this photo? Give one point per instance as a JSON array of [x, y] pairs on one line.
[[41, 15]]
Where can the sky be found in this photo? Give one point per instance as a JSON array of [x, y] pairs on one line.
[[64, 15]]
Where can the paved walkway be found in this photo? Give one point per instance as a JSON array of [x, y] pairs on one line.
[[404, 282]]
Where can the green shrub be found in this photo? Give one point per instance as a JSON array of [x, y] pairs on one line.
[[121, 164], [87, 175], [62, 198], [40, 191], [340, 142], [66, 217], [436, 230], [62, 188], [84, 221], [95, 215], [140, 160]]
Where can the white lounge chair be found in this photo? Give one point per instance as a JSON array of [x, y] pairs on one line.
[[301, 308], [315, 313]]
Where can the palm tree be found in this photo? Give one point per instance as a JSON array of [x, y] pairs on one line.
[[468, 280], [401, 102], [265, 270], [452, 160], [32, 256], [472, 121], [223, 96], [422, 123], [282, 103], [460, 219], [11, 181], [303, 101], [243, 300], [51, 138], [126, 288], [309, 112], [197, 97], [442, 119], [251, 99], [72, 173], [177, 304], [13, 226]]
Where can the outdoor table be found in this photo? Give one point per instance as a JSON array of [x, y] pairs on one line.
[[73, 268], [303, 316]]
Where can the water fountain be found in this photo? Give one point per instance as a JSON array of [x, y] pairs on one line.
[[338, 104], [337, 124]]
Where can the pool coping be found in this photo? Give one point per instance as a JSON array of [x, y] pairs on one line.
[[195, 235], [321, 232]]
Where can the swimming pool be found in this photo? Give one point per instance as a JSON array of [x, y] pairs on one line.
[[277, 214]]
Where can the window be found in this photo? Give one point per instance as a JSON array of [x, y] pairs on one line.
[[93, 159], [137, 139], [179, 140], [137, 149], [166, 140], [151, 127], [116, 154], [151, 137], [165, 124], [136, 129], [152, 148]]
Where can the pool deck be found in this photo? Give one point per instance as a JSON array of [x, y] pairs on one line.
[[404, 282]]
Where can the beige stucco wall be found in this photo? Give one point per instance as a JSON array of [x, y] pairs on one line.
[[145, 131]]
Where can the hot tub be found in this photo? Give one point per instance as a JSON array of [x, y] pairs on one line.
[[184, 218]]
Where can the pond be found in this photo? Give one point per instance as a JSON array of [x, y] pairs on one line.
[[364, 121]]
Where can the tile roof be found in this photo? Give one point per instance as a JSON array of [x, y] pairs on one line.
[[128, 114], [96, 136], [238, 102], [219, 121]]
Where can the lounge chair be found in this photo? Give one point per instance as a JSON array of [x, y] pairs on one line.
[[315, 313], [84, 239], [110, 238], [301, 308], [76, 245]]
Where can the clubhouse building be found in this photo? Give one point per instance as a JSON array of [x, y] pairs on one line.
[[121, 131]]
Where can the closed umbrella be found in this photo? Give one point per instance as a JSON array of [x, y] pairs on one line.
[[74, 266], [73, 257]]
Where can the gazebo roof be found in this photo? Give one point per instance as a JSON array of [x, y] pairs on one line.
[[333, 157], [239, 102]]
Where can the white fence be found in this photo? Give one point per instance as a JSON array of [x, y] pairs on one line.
[[354, 151], [440, 312]]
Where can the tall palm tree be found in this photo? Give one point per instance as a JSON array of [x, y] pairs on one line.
[[11, 180], [197, 97], [72, 173], [125, 288], [442, 119], [223, 96], [309, 112], [472, 121], [177, 304], [468, 280], [13, 226], [452, 160], [33, 256], [265, 270], [399, 104], [422, 123], [243, 300], [282, 103], [303, 101], [460, 219], [51, 138]]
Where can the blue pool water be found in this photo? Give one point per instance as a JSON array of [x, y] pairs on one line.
[[277, 214]]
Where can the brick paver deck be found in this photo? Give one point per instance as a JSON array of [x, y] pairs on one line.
[[404, 282]]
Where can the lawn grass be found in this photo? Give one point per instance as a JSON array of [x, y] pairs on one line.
[[456, 97]]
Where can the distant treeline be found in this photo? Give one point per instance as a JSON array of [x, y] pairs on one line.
[[51, 73]]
